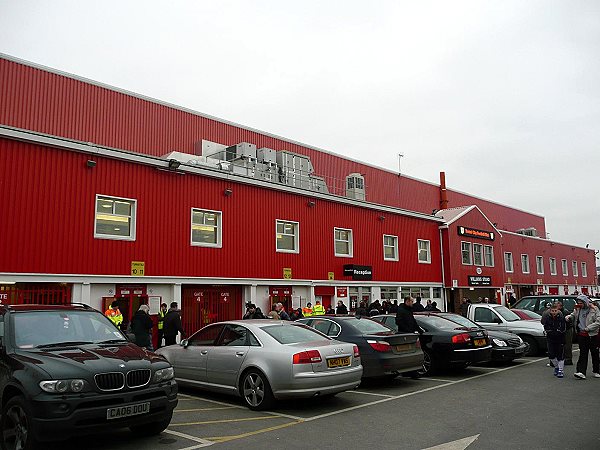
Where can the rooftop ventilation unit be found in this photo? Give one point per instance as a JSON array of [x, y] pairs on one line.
[[528, 232]]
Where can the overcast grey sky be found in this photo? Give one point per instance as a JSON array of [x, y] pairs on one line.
[[502, 95]]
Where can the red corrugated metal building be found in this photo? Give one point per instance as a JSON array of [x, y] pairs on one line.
[[94, 210]]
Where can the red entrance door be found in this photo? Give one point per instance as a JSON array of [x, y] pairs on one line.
[[202, 305], [38, 294]]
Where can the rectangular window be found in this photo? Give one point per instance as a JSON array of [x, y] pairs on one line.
[[552, 266], [508, 262], [389, 293], [525, 263], [343, 242], [574, 267], [488, 253], [390, 247], [539, 264], [478, 254], [565, 267], [115, 218], [424, 253], [584, 270], [287, 236], [206, 228], [467, 258]]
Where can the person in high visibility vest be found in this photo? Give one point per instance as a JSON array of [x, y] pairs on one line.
[[114, 314], [307, 311], [161, 317], [318, 310]]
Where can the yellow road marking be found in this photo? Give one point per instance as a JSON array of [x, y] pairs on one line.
[[204, 409], [246, 419], [252, 433]]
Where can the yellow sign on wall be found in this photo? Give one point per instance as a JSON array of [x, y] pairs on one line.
[[138, 268], [330, 275], [287, 273]]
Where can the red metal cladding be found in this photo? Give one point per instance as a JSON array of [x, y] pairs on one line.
[[50, 194], [35, 99]]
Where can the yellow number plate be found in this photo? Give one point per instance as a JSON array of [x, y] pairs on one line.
[[479, 342], [338, 362], [404, 348]]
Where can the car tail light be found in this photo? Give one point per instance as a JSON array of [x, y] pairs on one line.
[[356, 352], [380, 346], [308, 357], [462, 338], [418, 343]]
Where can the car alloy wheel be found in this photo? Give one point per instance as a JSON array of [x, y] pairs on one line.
[[427, 365], [16, 428], [256, 390]]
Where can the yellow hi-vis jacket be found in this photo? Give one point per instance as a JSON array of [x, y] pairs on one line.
[[115, 316], [161, 318], [318, 310]]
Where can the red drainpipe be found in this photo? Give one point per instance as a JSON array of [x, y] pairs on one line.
[[443, 193]]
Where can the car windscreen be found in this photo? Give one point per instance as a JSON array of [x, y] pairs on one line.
[[38, 329], [368, 326], [460, 320], [507, 314], [436, 322], [293, 334], [528, 303]]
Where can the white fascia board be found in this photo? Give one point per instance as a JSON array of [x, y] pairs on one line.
[[468, 210], [547, 240], [162, 164]]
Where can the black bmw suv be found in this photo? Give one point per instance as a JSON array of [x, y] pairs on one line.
[[67, 370]]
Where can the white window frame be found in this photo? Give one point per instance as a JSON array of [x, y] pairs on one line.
[[481, 261], [584, 269], [523, 265], [350, 243], [552, 266], [512, 262], [395, 247], [219, 215], [574, 268], [539, 264], [132, 217], [462, 250], [428, 261], [565, 267], [491, 249], [296, 236]]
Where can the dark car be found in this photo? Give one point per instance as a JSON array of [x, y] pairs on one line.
[[539, 303], [505, 346], [445, 343], [67, 370], [382, 351]]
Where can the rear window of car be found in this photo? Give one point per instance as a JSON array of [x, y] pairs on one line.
[[368, 326], [460, 320], [528, 303], [293, 334], [436, 322]]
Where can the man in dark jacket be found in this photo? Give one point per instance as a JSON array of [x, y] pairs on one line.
[[172, 325], [341, 308], [141, 327], [555, 327], [417, 307], [405, 319]]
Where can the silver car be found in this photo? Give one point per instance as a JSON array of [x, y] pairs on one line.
[[264, 360]]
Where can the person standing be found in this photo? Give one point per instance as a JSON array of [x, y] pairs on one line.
[[341, 308], [586, 320], [361, 311], [141, 327], [283, 315], [172, 325], [568, 337], [555, 326], [161, 322], [464, 307], [428, 305], [405, 319], [434, 307], [114, 314], [318, 310], [417, 307], [307, 311]]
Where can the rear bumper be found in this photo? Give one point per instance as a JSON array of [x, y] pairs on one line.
[[508, 353], [474, 355], [57, 418], [320, 383], [379, 365]]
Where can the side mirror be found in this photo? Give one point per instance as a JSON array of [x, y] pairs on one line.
[[497, 320], [184, 343]]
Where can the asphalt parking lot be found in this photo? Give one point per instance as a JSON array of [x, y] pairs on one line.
[[509, 406]]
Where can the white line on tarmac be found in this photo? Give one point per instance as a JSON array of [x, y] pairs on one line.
[[439, 386], [202, 442], [439, 380], [202, 399], [367, 393]]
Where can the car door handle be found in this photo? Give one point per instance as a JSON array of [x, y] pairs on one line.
[[240, 353], [204, 352]]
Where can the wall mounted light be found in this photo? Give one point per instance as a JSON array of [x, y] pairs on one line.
[[227, 192], [311, 204], [91, 163], [174, 164]]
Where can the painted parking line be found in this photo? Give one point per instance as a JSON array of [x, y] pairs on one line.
[[203, 409], [208, 422], [438, 380], [367, 393], [201, 442], [252, 433]]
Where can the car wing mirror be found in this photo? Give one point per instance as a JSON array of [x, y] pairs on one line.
[[184, 343]]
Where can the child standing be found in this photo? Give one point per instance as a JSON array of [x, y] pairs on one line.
[[555, 326]]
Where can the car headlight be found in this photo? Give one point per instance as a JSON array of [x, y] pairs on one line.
[[63, 386], [499, 342], [163, 375]]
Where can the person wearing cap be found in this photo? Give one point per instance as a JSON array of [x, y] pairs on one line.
[[141, 327], [586, 319]]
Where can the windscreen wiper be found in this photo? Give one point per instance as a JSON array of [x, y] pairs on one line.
[[114, 341], [63, 344]]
